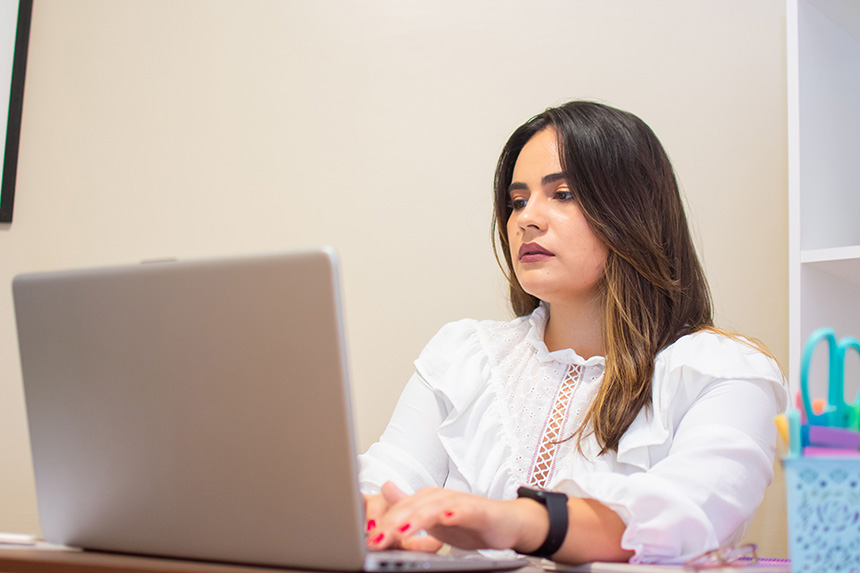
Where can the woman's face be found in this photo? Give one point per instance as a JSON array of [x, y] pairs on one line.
[[557, 257]]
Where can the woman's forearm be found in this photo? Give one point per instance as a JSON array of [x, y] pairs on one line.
[[475, 522], [593, 534]]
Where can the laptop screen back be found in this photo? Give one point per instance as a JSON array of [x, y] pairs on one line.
[[193, 409]]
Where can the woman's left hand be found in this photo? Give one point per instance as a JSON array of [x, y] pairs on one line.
[[459, 519]]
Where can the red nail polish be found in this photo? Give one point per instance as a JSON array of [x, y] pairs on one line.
[[371, 523], [404, 527], [378, 538]]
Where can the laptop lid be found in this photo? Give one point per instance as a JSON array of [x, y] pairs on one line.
[[195, 409]]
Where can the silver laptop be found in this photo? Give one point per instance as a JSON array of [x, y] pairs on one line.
[[199, 409]]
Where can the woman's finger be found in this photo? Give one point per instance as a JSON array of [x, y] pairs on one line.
[[425, 544], [375, 507], [392, 493]]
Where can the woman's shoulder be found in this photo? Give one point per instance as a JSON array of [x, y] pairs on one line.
[[683, 371], [718, 355], [470, 339]]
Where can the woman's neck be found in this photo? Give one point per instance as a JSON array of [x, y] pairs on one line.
[[575, 326]]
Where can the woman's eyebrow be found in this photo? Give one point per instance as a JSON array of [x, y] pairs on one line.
[[551, 178], [548, 179]]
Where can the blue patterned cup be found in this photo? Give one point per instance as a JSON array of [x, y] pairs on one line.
[[823, 513]]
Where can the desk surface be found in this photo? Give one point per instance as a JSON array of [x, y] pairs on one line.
[[14, 559], [50, 560]]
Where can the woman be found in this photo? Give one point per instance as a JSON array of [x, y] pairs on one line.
[[612, 386]]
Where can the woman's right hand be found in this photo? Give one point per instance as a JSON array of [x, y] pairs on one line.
[[376, 506]]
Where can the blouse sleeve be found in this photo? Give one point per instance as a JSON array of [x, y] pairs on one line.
[[716, 415], [409, 452]]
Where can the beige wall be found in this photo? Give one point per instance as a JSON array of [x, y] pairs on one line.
[[205, 127]]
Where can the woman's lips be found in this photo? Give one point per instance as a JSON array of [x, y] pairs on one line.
[[533, 253]]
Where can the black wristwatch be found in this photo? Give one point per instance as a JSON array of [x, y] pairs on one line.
[[556, 506]]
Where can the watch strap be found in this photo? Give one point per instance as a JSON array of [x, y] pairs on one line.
[[556, 507]]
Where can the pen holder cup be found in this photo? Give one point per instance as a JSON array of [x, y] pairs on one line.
[[823, 513]]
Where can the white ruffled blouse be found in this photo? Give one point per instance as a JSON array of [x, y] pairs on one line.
[[687, 476]]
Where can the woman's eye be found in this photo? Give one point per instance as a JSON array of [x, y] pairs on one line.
[[564, 195], [517, 204]]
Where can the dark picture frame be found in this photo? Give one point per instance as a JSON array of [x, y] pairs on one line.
[[16, 106]]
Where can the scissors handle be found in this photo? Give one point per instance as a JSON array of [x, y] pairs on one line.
[[834, 368], [852, 411], [837, 413]]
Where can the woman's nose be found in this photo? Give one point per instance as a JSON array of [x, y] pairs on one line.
[[533, 214]]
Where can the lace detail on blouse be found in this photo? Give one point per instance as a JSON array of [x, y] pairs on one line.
[[544, 463], [544, 396]]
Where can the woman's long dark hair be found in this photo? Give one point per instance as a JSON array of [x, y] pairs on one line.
[[654, 289]]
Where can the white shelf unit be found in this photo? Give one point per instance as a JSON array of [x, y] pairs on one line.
[[823, 42]]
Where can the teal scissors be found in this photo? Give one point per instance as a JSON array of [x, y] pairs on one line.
[[838, 413]]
